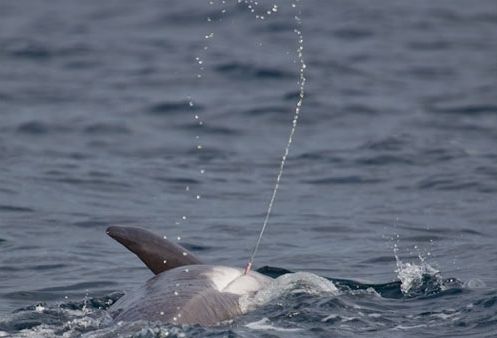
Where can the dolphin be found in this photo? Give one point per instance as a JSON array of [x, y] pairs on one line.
[[184, 290]]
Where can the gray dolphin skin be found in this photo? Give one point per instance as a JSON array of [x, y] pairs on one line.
[[184, 290], [158, 253]]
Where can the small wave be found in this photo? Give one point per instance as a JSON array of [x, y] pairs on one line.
[[32, 50], [264, 325], [66, 319], [291, 283], [106, 128], [38, 127], [469, 109], [52, 321], [171, 107], [266, 110], [351, 179], [14, 208], [241, 70], [33, 128]]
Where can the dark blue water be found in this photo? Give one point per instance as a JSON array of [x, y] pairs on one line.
[[173, 116]]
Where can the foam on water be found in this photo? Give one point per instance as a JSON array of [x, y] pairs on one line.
[[299, 282], [264, 325], [413, 277], [80, 322], [475, 283]]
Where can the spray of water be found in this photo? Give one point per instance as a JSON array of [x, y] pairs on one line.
[[298, 107], [252, 6]]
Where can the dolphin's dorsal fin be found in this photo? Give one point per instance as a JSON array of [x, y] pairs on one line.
[[156, 252]]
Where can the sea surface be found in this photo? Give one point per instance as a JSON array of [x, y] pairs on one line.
[[174, 116]]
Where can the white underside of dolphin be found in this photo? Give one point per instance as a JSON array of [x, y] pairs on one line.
[[184, 291]]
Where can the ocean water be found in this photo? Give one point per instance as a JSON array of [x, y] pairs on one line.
[[173, 116]]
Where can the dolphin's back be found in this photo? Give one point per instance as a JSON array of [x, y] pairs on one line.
[[194, 294]]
